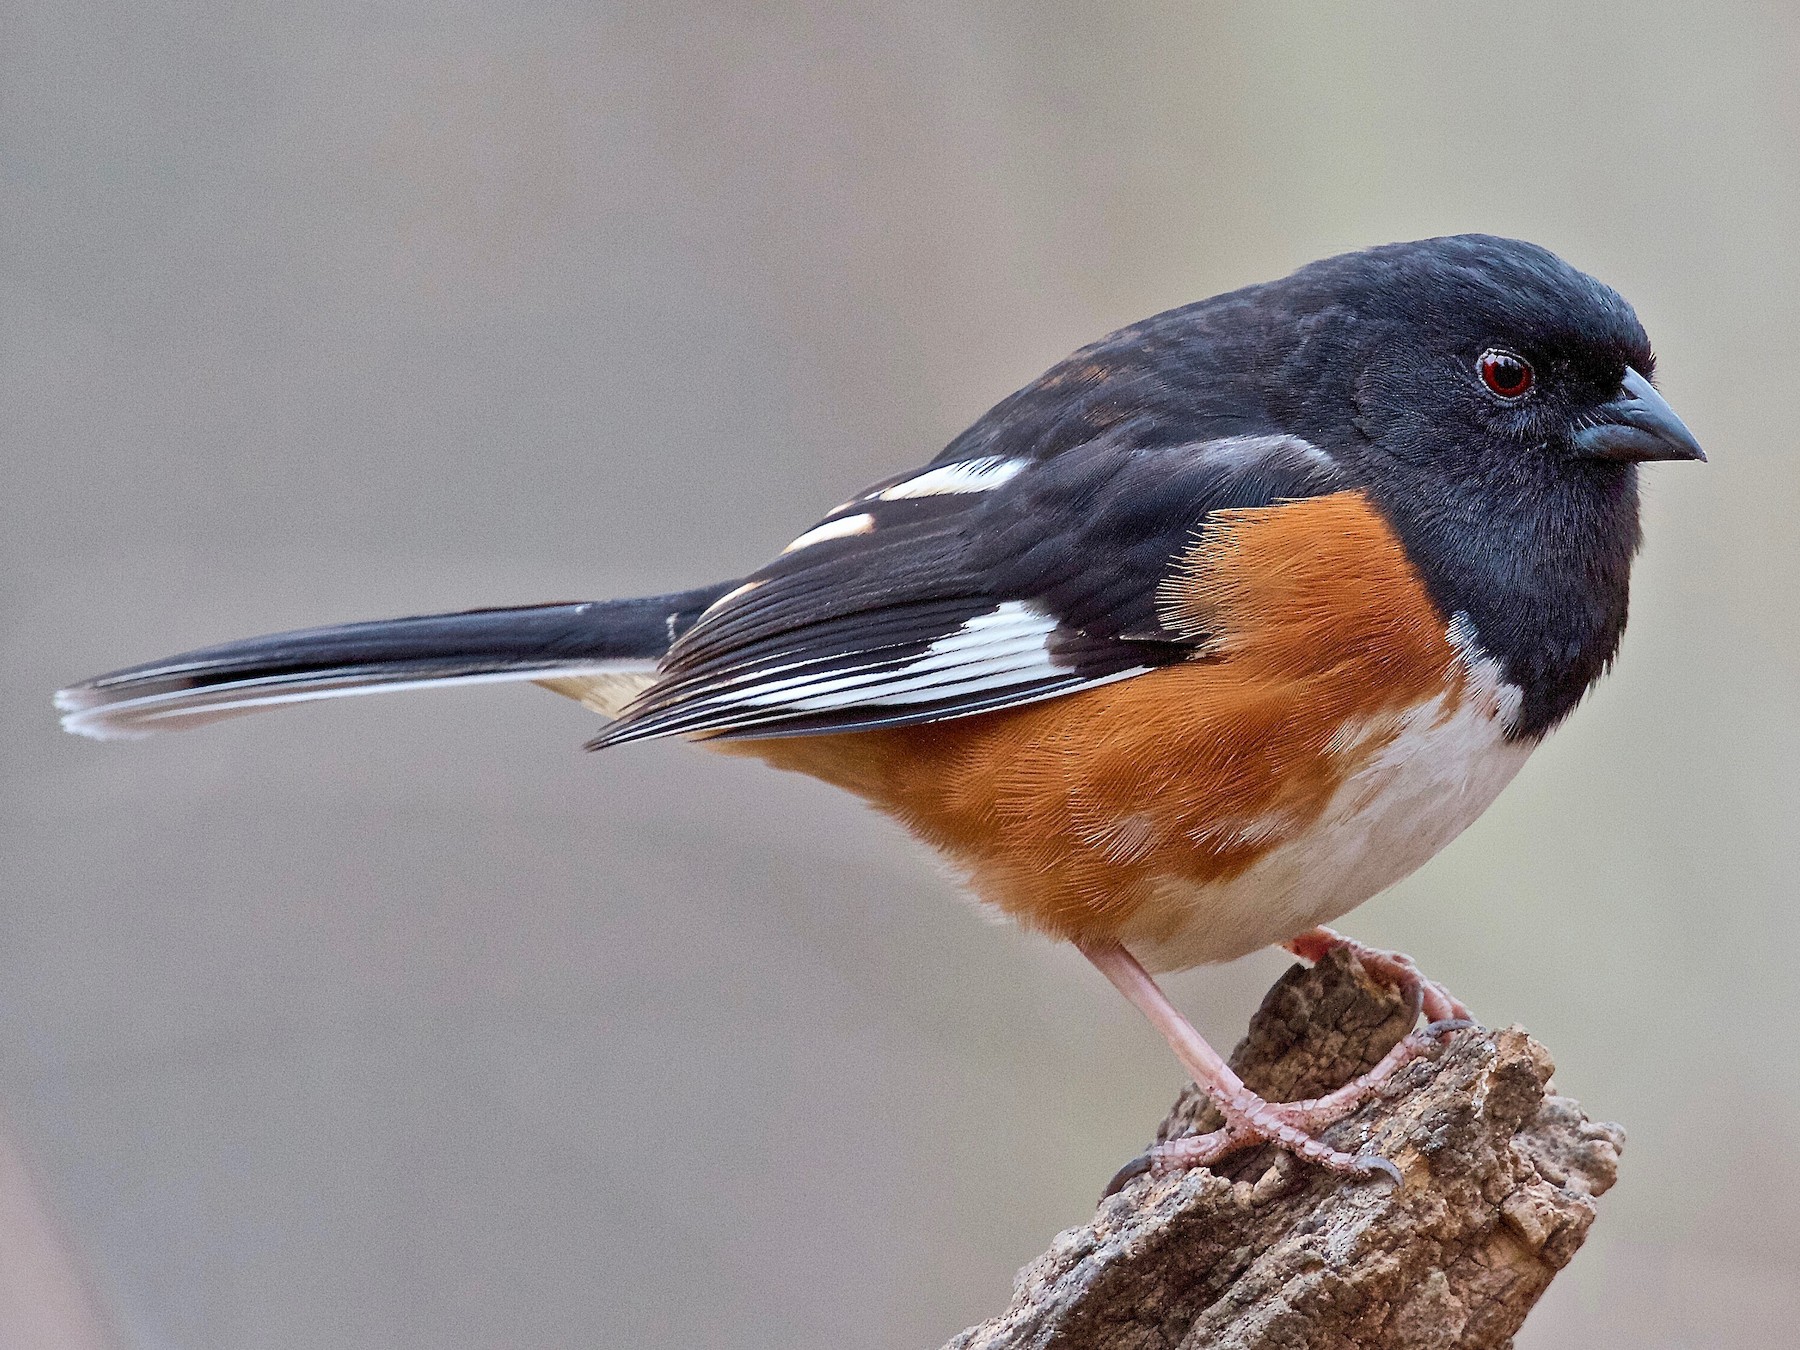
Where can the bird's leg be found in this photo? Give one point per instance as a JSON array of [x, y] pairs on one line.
[[1445, 1012], [1392, 968], [1248, 1118]]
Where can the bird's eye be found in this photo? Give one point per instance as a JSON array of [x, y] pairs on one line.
[[1506, 373]]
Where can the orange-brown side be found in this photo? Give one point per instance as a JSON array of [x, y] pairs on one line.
[[1068, 813]]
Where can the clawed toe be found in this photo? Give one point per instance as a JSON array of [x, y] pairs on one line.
[[1395, 968], [1374, 1165], [1443, 1006], [1436, 1031], [1294, 1126], [1203, 1150], [1130, 1172]]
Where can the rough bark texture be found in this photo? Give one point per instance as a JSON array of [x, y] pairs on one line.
[[1501, 1179]]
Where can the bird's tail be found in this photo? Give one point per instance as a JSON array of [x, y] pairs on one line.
[[599, 652]]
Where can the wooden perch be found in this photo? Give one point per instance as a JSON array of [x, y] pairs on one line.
[[1501, 1179]]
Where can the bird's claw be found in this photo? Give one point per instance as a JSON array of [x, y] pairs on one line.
[[1436, 1031], [1139, 1166], [1370, 1165]]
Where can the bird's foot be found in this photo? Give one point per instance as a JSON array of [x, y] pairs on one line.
[[1396, 969], [1293, 1126]]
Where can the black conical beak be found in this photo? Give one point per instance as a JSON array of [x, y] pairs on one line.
[[1636, 426]]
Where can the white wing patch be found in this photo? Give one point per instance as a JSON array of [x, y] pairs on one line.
[[1245, 452], [973, 475], [861, 523], [1007, 646]]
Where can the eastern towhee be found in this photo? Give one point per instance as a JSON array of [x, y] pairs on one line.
[[1223, 625]]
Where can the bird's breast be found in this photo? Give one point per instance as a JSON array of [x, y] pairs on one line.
[[1408, 785]]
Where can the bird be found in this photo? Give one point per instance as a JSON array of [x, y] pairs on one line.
[[1220, 627]]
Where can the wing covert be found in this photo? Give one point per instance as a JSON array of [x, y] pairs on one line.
[[966, 587]]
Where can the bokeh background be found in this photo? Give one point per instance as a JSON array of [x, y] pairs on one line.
[[403, 1023]]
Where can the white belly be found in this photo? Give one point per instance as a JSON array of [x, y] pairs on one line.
[[1420, 788]]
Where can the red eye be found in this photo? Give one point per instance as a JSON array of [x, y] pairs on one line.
[[1507, 374]]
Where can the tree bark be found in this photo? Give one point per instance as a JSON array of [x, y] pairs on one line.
[[1501, 1177]]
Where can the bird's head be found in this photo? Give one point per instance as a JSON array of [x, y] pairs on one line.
[[1473, 355]]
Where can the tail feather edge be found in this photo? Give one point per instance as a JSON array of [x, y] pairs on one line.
[[600, 653]]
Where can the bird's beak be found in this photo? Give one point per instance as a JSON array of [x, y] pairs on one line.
[[1636, 426]]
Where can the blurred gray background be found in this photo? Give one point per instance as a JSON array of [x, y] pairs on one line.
[[403, 1023]]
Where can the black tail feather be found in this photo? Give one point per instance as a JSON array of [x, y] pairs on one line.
[[536, 642]]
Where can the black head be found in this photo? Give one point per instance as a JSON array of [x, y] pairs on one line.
[[1472, 352]]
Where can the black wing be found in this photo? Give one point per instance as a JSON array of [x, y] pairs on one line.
[[977, 583]]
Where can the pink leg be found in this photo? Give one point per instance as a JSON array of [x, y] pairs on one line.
[[1248, 1118], [1393, 968]]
